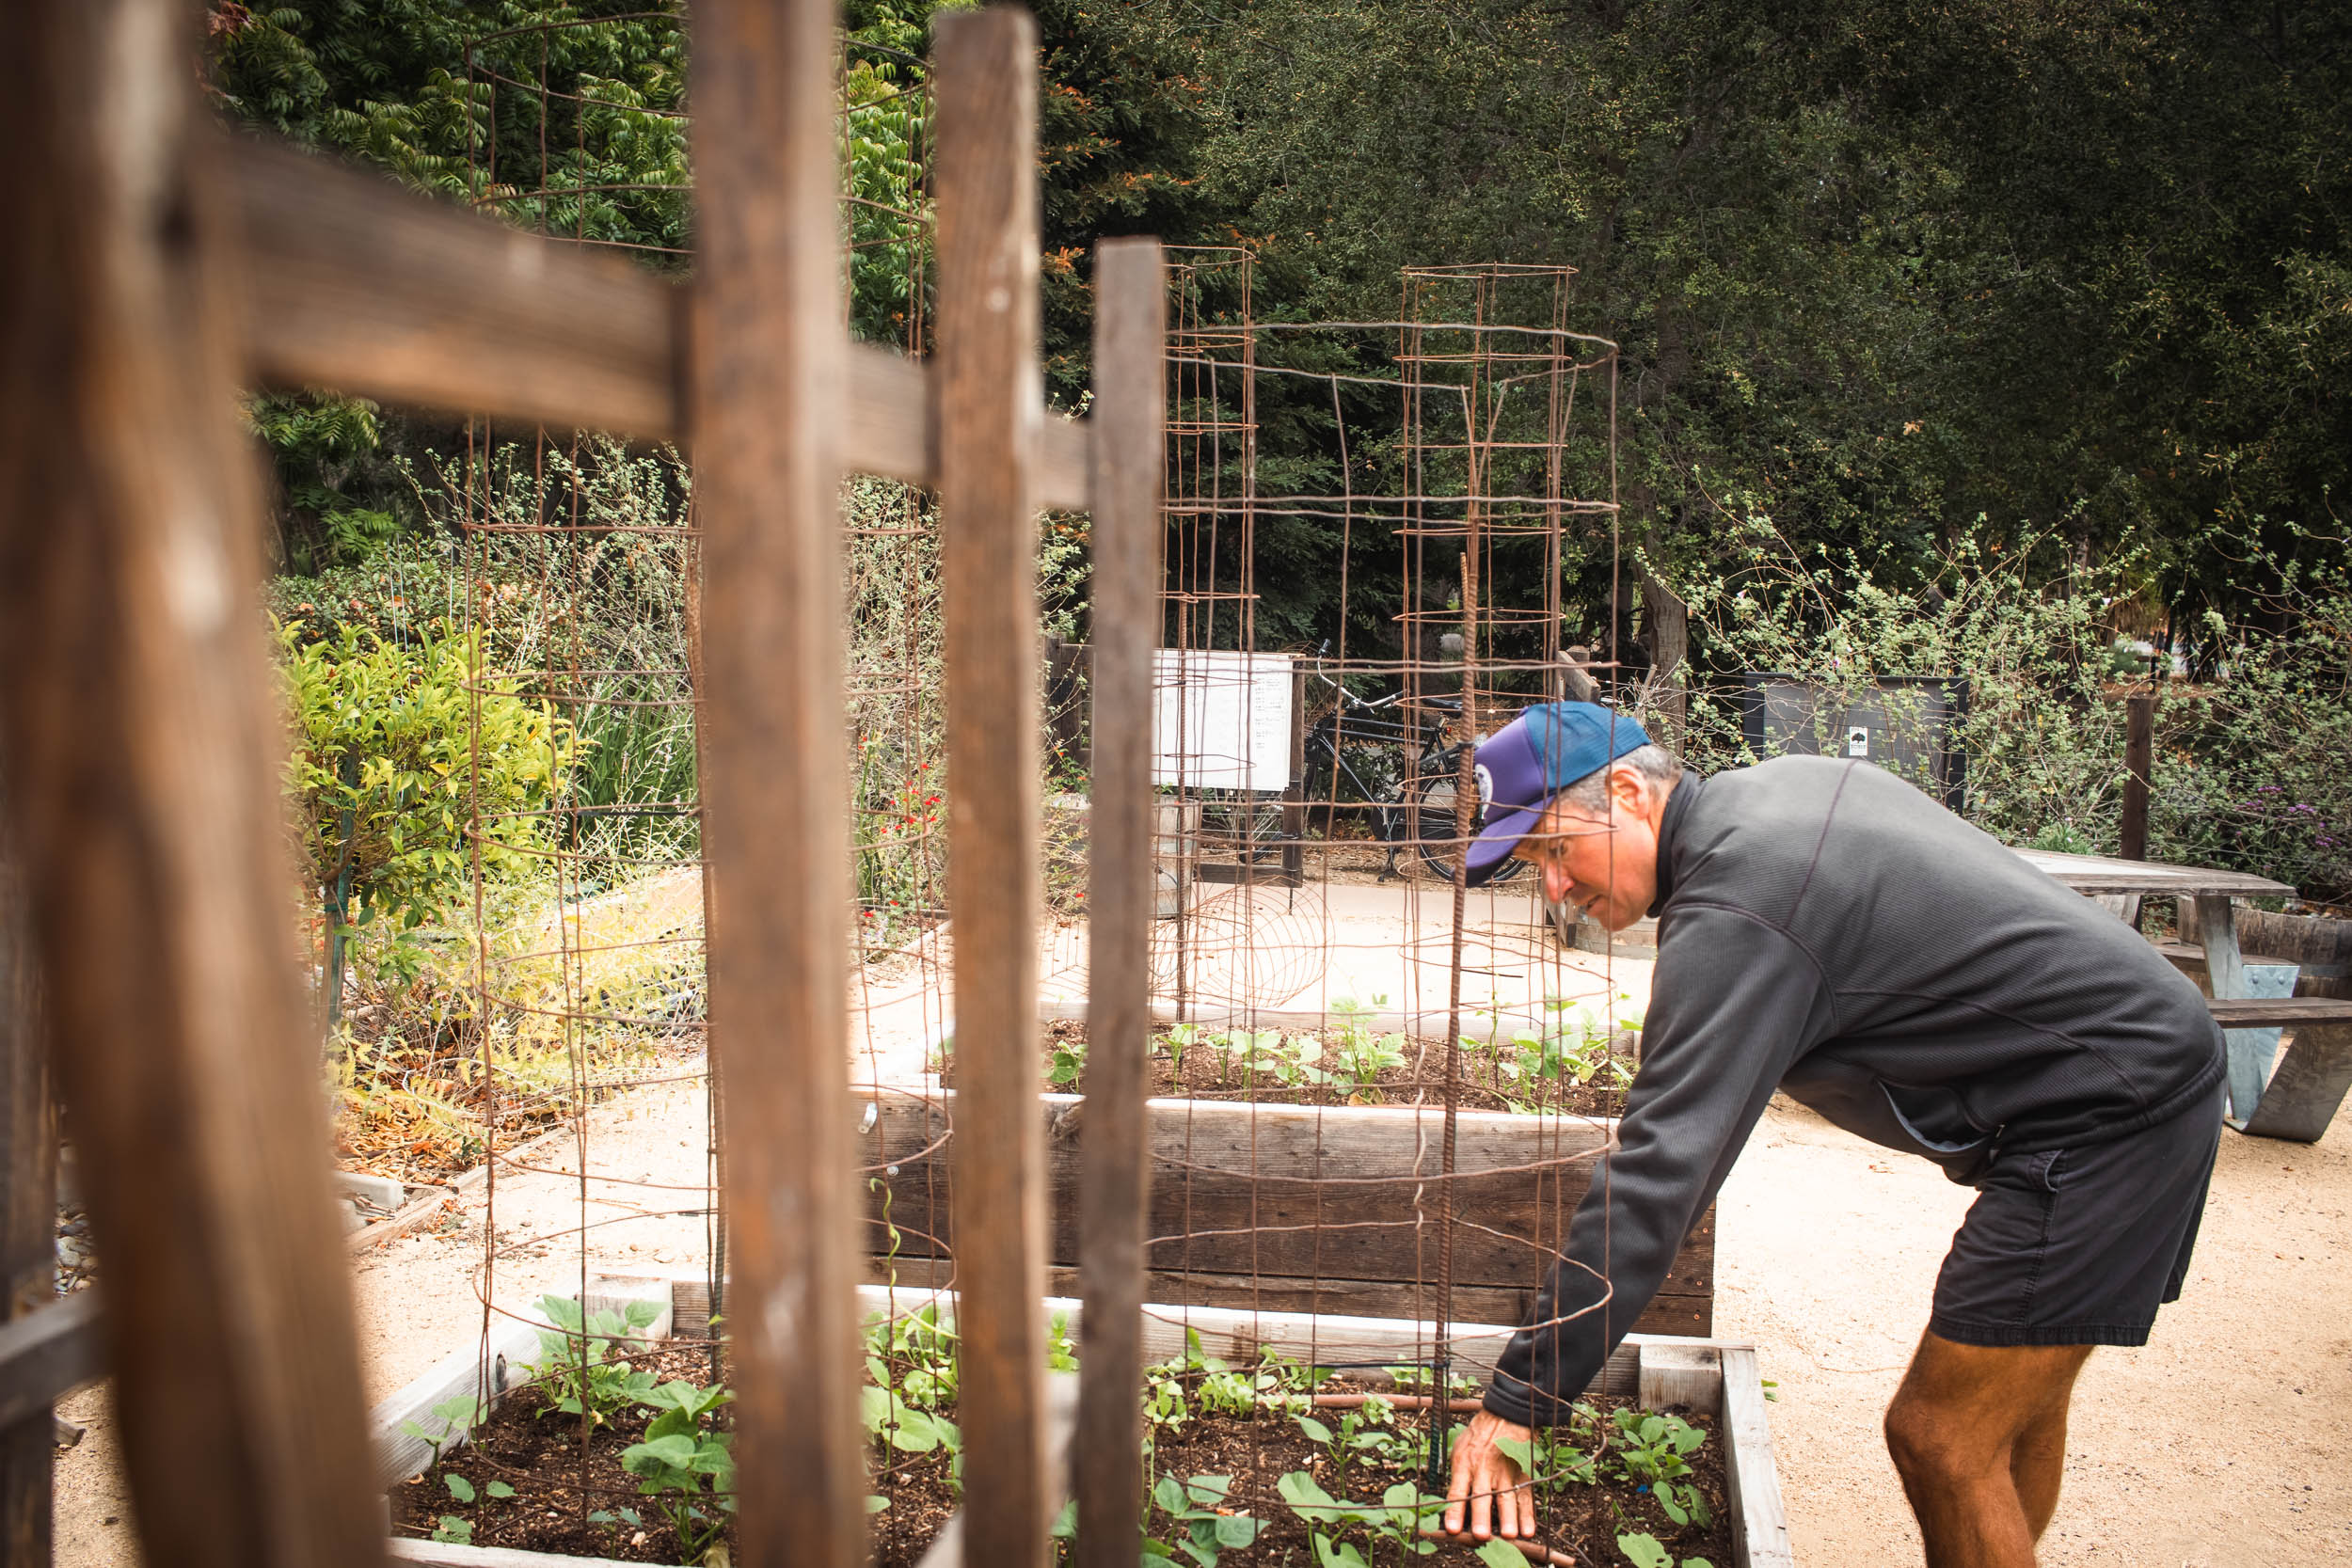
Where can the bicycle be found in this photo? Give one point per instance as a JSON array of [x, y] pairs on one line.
[[1414, 813]]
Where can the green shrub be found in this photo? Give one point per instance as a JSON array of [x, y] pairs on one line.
[[2249, 772], [2044, 751], [393, 757]]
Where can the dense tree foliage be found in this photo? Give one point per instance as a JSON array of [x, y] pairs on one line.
[[1878, 269]]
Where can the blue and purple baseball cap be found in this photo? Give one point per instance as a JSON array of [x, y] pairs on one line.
[[1533, 758]]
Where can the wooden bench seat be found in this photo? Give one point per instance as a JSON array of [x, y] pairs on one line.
[[2313, 1073]]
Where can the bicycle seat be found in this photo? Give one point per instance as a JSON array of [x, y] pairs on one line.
[[1449, 705]]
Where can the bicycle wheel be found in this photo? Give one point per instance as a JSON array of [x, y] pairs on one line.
[[1435, 829], [1241, 821]]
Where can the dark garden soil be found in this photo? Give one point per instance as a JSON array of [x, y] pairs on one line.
[[541, 1458], [1210, 1074], [1257, 1452]]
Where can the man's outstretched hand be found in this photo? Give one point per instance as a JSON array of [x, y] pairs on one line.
[[1487, 1491]]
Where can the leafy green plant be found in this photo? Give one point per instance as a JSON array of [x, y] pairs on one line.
[[925, 1343], [1198, 1505], [1180, 1037], [1360, 1430], [1069, 1062], [1568, 1048], [1060, 1355], [1359, 1055], [1554, 1460], [454, 1530], [907, 1430], [579, 1367], [1644, 1551], [398, 747], [1395, 1519], [1423, 1380], [1283, 1382], [457, 1418], [685, 1466], [462, 1489], [1652, 1450], [1247, 1050], [1172, 1387], [1360, 1058], [612, 1518], [1165, 1408]]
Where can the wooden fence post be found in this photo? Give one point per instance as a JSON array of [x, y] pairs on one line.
[[990, 412], [1129, 420], [145, 742], [768, 356], [2139, 748], [28, 1259]]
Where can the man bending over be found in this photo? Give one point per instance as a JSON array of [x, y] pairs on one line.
[[1825, 929]]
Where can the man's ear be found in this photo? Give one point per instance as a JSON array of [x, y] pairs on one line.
[[1629, 791]]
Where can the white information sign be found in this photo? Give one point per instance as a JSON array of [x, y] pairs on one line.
[[1221, 719]]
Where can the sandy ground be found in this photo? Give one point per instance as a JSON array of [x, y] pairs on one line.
[[2223, 1443], [2226, 1441]]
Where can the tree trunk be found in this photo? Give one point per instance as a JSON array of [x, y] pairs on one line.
[[1666, 632]]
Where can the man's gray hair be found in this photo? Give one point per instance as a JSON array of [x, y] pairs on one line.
[[1656, 765]]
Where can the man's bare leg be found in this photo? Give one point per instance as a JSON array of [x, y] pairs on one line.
[[1979, 1434]]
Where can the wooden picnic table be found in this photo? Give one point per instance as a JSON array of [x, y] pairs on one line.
[[2206, 912]]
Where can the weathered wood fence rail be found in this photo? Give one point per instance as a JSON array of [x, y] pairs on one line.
[[156, 267]]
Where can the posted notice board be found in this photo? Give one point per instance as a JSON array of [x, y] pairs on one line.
[[1221, 719]]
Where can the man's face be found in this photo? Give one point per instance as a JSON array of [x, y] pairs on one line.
[[1606, 866]]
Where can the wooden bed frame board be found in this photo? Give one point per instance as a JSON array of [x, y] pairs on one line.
[[1240, 1191]]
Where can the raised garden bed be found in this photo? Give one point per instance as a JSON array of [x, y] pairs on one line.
[[1261, 1458], [1291, 1207], [1547, 1056], [1340, 1066]]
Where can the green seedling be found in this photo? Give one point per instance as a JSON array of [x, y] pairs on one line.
[[457, 1418], [687, 1468], [1395, 1519], [1294, 1061], [1165, 1408], [451, 1531], [925, 1344], [1060, 1355], [1170, 1388], [1361, 1059], [1069, 1062], [1181, 1038], [1644, 1551], [889, 1418], [1283, 1383], [612, 1518], [1652, 1450], [1360, 1431], [1553, 1461], [1198, 1505], [1419, 1378], [581, 1374], [1251, 1050]]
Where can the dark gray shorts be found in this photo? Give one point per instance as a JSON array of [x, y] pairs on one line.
[[2080, 1245]]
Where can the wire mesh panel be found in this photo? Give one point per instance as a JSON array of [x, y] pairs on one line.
[[1380, 1094]]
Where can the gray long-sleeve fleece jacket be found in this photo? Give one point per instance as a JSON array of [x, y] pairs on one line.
[[1827, 930]]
